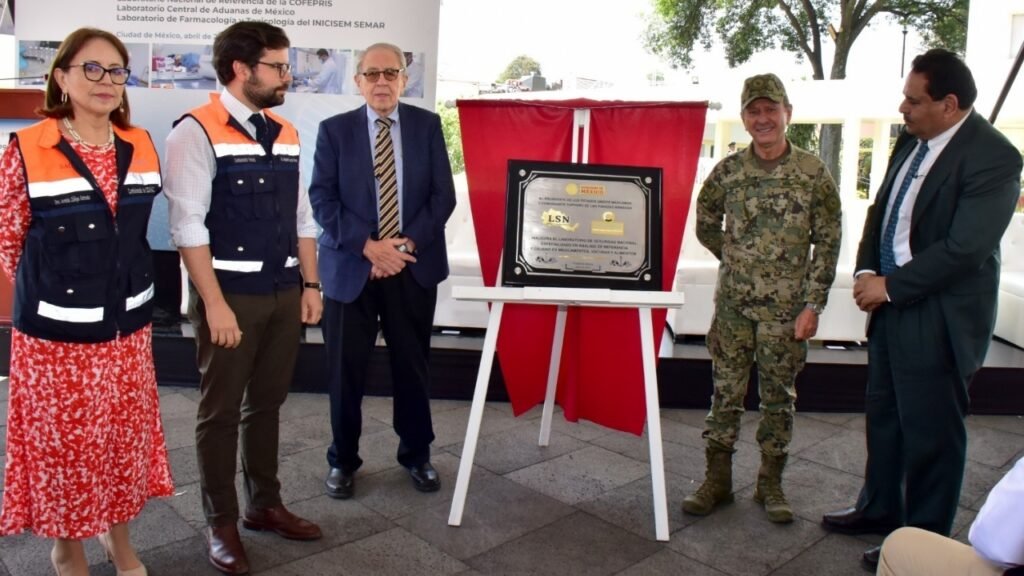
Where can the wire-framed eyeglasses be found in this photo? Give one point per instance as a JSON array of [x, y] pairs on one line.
[[94, 72], [389, 74], [283, 68]]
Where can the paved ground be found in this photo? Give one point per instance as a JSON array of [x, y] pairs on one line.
[[580, 506]]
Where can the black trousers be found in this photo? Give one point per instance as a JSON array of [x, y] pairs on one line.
[[915, 408], [242, 390], [404, 310]]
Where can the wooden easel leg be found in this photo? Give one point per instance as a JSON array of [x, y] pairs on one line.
[[553, 366], [476, 414], [654, 425]]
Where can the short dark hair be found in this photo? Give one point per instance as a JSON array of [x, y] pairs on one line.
[[322, 52], [946, 74], [245, 42], [52, 106]]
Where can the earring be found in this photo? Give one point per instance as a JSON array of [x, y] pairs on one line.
[[63, 97]]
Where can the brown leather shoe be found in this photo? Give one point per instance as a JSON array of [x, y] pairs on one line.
[[226, 551], [278, 519]]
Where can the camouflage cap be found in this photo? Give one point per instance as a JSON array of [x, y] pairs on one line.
[[763, 86]]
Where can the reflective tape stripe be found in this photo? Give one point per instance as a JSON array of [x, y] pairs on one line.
[[291, 262], [222, 150], [142, 179], [286, 149], [76, 315], [133, 302], [238, 265], [58, 187]]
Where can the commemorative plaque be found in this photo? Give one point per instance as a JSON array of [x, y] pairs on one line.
[[582, 225]]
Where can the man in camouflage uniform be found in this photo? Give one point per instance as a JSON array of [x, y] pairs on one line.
[[777, 201]]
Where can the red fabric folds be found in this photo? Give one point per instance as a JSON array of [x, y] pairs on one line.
[[601, 376]]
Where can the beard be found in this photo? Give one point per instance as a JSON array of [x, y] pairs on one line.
[[263, 96]]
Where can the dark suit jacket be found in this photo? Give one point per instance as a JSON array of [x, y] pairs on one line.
[[961, 212], [344, 198]]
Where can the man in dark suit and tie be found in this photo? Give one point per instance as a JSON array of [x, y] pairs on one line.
[[928, 273], [382, 190]]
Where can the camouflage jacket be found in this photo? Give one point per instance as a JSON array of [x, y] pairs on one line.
[[771, 221]]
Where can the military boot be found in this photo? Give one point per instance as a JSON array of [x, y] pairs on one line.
[[769, 489], [717, 486]]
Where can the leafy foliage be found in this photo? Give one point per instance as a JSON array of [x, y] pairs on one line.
[[520, 66], [452, 136]]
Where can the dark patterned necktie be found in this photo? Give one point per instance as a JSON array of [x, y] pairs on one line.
[[384, 170], [888, 256]]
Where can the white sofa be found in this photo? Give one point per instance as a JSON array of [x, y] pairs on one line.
[[1010, 318], [464, 265], [697, 273]]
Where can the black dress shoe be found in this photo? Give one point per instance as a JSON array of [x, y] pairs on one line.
[[340, 484], [425, 478], [870, 558], [852, 521]]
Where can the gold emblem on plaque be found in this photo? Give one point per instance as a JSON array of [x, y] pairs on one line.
[[558, 218], [572, 189], [607, 226]]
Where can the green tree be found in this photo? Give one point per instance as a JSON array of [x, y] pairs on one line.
[[452, 135], [747, 27], [519, 67]]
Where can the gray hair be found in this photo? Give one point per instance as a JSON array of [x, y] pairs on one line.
[[382, 46]]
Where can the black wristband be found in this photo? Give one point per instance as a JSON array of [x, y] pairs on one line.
[[313, 285]]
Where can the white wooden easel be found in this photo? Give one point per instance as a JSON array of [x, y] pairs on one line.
[[563, 298]]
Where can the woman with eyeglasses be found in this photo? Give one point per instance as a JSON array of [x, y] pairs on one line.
[[85, 446]]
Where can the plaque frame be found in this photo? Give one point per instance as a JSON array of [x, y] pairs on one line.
[[517, 271]]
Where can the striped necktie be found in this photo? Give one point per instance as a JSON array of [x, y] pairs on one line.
[[384, 170], [888, 255]]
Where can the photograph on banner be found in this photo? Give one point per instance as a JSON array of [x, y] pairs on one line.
[[35, 57], [321, 70], [188, 66], [582, 226], [414, 68]]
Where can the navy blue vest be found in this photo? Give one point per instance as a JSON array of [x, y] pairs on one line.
[[252, 215], [84, 275]]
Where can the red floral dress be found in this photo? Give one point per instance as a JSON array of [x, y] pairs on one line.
[[85, 445]]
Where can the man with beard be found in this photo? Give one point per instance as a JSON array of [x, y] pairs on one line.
[[382, 190], [244, 227]]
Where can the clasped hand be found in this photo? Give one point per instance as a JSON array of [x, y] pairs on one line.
[[385, 258]]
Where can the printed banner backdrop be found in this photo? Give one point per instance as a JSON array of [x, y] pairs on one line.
[[601, 373], [170, 44]]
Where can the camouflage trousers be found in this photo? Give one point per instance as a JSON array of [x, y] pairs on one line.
[[736, 341]]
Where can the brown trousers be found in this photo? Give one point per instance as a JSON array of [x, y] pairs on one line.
[[242, 390]]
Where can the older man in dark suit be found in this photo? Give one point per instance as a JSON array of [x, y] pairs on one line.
[[928, 272], [382, 190]]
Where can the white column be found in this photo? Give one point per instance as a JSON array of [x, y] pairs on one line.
[[848, 159], [879, 155]]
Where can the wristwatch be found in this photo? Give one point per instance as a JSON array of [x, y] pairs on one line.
[[313, 285], [816, 308]]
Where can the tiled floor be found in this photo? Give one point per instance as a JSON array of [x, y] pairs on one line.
[[582, 505]]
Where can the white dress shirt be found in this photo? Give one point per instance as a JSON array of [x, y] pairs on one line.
[[997, 533], [901, 240], [190, 167]]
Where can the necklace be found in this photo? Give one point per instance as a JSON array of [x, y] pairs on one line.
[[74, 134]]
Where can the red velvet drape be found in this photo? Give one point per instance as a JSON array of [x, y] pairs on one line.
[[601, 377]]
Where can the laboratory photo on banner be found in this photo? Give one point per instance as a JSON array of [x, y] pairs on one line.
[[414, 68], [34, 58], [320, 70], [187, 66]]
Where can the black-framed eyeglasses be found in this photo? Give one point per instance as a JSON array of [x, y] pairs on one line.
[[283, 69], [389, 74], [94, 72]]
